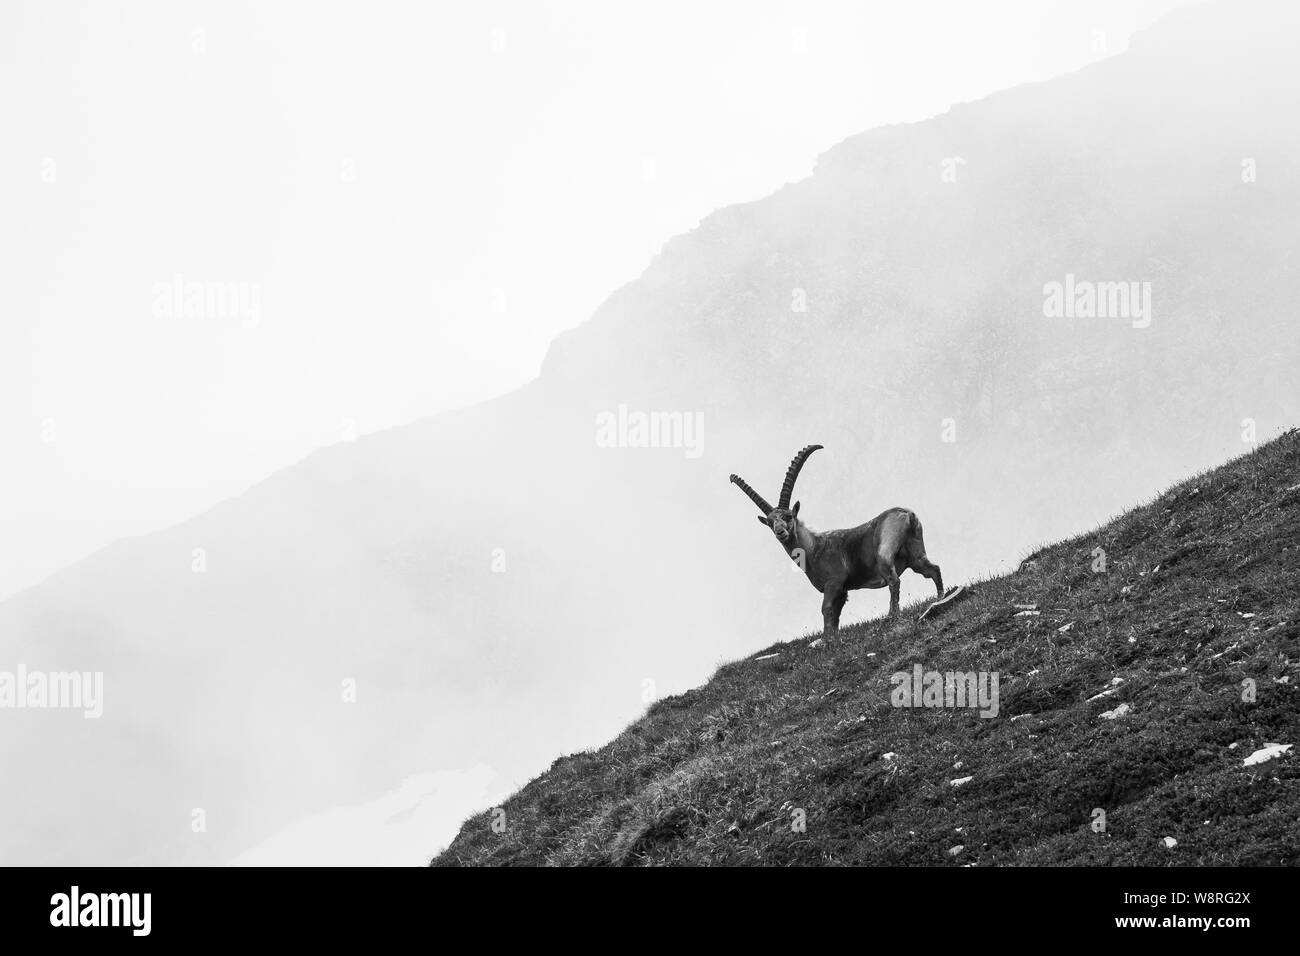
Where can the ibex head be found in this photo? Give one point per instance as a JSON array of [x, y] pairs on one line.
[[782, 518]]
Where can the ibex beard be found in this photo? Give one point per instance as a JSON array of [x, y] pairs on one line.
[[872, 555]]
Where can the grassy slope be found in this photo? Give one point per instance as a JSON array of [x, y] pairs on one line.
[[712, 776]]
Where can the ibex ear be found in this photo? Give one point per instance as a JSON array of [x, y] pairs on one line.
[[764, 519], [796, 509]]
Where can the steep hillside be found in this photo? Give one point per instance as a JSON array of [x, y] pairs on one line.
[[1124, 692]]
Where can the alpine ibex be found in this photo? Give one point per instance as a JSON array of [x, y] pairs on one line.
[[872, 555]]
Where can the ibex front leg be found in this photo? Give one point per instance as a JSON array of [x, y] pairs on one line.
[[833, 599]]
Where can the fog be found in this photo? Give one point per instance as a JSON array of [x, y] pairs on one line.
[[386, 537], [423, 196]]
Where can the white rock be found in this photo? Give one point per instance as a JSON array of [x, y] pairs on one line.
[[1265, 753], [817, 643], [955, 850], [1169, 843], [1119, 711], [961, 780], [1115, 682], [766, 657]]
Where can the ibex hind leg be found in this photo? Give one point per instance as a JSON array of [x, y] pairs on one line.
[[927, 568], [918, 562], [892, 578]]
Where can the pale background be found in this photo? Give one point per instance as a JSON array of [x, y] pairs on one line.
[[512, 164]]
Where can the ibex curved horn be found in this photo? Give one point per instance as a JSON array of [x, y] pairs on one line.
[[792, 473], [740, 483]]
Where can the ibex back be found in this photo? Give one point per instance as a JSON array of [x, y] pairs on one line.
[[872, 555]]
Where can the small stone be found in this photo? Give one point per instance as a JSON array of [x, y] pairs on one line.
[[1169, 843], [1265, 754]]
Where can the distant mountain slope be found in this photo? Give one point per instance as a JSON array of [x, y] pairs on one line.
[[1199, 594], [498, 586]]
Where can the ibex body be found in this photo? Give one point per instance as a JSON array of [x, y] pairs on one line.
[[872, 555]]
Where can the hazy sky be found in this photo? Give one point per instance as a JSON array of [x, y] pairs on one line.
[[407, 201]]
